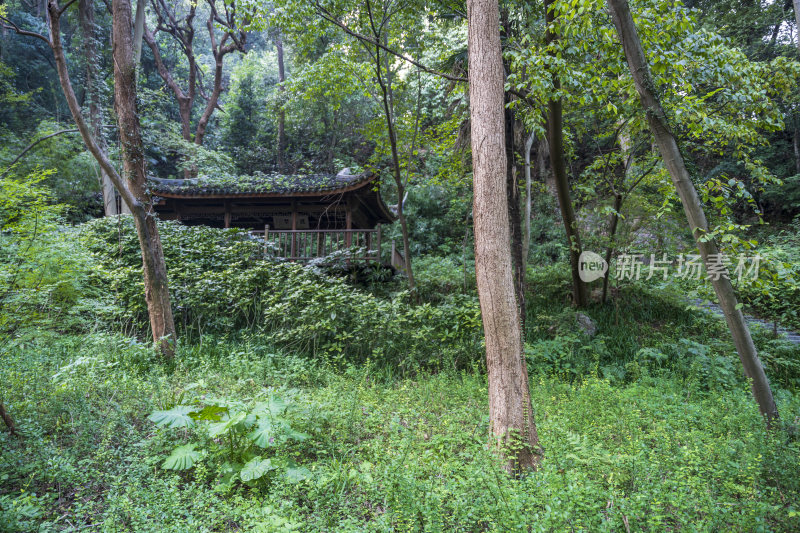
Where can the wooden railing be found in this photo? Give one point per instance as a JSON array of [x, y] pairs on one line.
[[308, 244]]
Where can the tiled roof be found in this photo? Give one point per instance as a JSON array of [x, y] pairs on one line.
[[258, 184]]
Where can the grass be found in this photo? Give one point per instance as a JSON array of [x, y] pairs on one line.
[[646, 426], [386, 454]]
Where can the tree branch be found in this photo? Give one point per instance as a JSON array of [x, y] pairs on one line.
[[7, 24], [325, 14], [33, 145]]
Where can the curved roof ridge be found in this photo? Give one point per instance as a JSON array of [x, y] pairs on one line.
[[259, 184]]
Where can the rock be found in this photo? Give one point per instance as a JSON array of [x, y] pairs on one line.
[[586, 324]]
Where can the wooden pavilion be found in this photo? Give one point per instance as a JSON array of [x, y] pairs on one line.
[[304, 216]]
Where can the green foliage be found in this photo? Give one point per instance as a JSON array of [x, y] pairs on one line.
[[43, 272], [220, 281], [669, 449], [235, 435]]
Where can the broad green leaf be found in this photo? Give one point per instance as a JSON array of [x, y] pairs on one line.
[[262, 436], [211, 413], [220, 428], [255, 468], [177, 417], [297, 474], [182, 458]]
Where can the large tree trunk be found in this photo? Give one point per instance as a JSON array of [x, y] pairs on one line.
[[580, 294], [281, 112], [86, 18], [673, 159], [133, 189], [796, 4], [510, 410]]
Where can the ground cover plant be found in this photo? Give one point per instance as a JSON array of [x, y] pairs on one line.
[[392, 265], [375, 451], [648, 423]]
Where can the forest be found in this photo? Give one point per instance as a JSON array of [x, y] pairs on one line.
[[399, 265]]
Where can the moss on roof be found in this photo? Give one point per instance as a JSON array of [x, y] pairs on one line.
[[258, 183]]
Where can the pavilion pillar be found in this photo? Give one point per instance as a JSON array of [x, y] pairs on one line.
[[227, 214], [348, 220], [294, 229]]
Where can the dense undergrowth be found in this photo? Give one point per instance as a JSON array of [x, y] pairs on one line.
[[300, 402], [379, 453]]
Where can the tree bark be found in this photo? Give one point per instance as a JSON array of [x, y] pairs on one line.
[[86, 19], [580, 294], [7, 419], [182, 30], [512, 186], [796, 5], [796, 146], [612, 232], [526, 242], [514, 215], [133, 189], [510, 410], [138, 32], [134, 168], [281, 113], [673, 159]]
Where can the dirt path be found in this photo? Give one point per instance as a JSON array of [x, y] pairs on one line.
[[791, 336]]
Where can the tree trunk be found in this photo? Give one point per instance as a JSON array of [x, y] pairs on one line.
[[7, 419], [796, 4], [386, 94], [138, 32], [512, 184], [612, 232], [133, 189], [510, 410], [671, 155], [526, 241], [580, 294], [134, 167], [281, 112], [86, 19], [514, 215], [796, 146]]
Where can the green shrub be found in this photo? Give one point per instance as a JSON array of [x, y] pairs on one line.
[[220, 281], [439, 277]]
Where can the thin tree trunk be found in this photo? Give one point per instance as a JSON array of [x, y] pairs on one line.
[[580, 295], [512, 184], [510, 410], [134, 167], [7, 419], [673, 159], [514, 215], [138, 32], [612, 232], [281, 112], [185, 100], [796, 4], [86, 19], [386, 97], [526, 242], [796, 146], [133, 188]]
